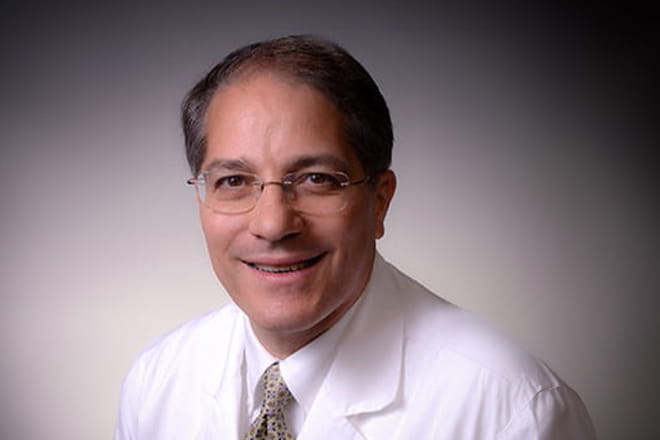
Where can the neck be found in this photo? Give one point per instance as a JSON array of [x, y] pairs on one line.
[[282, 344]]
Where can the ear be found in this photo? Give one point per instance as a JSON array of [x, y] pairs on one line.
[[385, 187]]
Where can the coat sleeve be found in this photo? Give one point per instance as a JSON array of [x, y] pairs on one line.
[[127, 418], [552, 414]]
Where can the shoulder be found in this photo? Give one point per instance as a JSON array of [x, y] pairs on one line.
[[187, 347], [459, 364], [465, 353], [192, 333], [443, 329], [169, 379]]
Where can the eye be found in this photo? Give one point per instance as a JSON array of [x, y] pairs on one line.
[[318, 179], [234, 181]]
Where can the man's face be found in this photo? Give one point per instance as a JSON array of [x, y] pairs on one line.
[[293, 274]]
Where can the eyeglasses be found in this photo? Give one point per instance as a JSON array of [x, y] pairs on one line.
[[310, 192]]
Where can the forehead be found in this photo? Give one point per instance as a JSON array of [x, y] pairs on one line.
[[269, 120]]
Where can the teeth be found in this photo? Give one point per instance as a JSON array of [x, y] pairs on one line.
[[283, 269]]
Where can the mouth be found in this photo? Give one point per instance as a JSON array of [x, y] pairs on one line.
[[285, 268]]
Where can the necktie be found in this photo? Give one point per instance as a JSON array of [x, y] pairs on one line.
[[270, 424]]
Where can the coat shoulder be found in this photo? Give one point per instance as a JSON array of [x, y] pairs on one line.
[[186, 347], [440, 331]]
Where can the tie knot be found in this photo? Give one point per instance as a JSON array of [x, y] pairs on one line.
[[276, 393]]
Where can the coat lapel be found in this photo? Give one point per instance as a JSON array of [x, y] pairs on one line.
[[364, 380], [225, 388]]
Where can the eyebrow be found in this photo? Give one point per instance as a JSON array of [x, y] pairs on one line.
[[228, 164], [321, 159], [295, 164]]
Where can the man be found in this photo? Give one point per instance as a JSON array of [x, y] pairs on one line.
[[290, 144]]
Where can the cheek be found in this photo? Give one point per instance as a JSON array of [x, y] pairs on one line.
[[357, 230], [218, 231], [362, 222], [209, 229]]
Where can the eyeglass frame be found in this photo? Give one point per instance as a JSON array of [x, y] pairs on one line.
[[286, 183]]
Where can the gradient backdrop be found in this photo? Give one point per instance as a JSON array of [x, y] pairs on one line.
[[526, 167]]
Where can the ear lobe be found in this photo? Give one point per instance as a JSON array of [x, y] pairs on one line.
[[385, 187]]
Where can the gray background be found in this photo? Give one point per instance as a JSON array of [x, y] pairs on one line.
[[523, 148]]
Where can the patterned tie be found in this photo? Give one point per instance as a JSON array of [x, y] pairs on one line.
[[271, 425]]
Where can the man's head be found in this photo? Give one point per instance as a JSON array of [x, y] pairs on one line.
[[320, 64], [293, 256]]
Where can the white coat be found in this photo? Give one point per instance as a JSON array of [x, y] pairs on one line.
[[409, 366]]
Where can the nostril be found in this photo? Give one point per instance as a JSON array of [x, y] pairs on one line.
[[273, 218]]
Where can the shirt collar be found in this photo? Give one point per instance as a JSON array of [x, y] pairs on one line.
[[257, 359]]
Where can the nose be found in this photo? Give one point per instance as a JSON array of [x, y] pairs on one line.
[[273, 219]]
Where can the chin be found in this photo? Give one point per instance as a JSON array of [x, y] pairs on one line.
[[289, 319]]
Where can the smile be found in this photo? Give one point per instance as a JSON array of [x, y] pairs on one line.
[[285, 268]]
